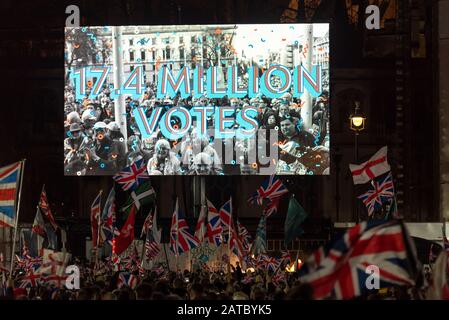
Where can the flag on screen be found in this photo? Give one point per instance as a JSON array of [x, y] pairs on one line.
[[340, 270], [9, 186], [133, 176], [374, 167]]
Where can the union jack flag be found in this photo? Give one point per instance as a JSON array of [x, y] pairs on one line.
[[214, 226], [286, 257], [271, 207], [271, 263], [271, 188], [31, 279], [45, 207], [244, 236], [9, 183], [132, 261], [147, 224], [226, 219], [201, 229], [278, 278], [181, 240], [133, 176], [382, 192], [340, 270], [127, 279], [108, 228]]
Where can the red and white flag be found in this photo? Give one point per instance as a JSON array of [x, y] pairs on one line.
[[54, 263], [126, 237], [374, 167]]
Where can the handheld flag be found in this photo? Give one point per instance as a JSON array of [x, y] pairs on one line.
[[153, 240], [126, 236], [341, 270], [141, 196], [180, 238], [214, 225], [260, 242], [383, 191], [271, 188], [45, 207], [95, 220], [295, 217], [200, 230], [133, 176], [9, 186], [374, 167], [39, 224], [108, 229]]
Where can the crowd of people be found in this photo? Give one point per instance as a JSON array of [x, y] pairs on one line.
[[197, 285], [95, 145]]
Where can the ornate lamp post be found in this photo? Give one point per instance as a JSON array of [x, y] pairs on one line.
[[356, 124]]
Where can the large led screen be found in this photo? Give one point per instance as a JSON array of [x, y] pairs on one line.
[[197, 99]]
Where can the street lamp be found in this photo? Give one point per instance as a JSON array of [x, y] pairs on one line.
[[356, 124]]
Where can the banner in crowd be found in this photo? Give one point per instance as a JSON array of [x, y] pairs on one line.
[[197, 99]]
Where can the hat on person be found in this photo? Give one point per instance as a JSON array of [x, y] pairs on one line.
[[74, 127], [100, 125], [113, 126]]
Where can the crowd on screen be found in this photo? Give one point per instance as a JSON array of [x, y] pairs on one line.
[[95, 145]]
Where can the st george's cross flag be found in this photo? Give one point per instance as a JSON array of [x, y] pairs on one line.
[[374, 167], [9, 186]]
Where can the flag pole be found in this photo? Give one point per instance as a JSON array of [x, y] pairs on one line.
[[98, 230], [229, 237], [22, 168]]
